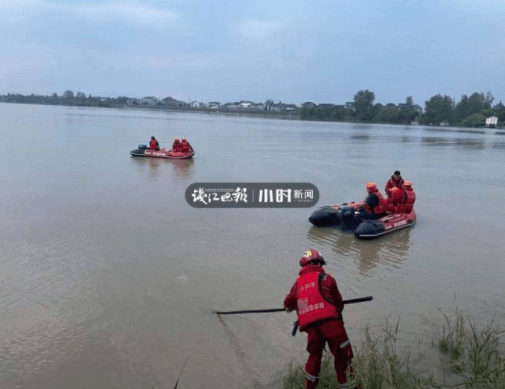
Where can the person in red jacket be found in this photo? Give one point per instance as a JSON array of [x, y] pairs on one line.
[[375, 203], [153, 144], [410, 198], [395, 200], [318, 303], [396, 180], [177, 145], [185, 146]]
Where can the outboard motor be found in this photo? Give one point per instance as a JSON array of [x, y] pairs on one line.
[[142, 147]]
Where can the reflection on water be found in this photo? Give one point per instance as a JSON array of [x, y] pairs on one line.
[[471, 131], [360, 137], [469, 143], [390, 249], [435, 141], [362, 127], [183, 168], [458, 130], [499, 145]]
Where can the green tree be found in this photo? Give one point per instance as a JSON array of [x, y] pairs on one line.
[[363, 105], [80, 98], [68, 94], [439, 109], [472, 105], [500, 111]]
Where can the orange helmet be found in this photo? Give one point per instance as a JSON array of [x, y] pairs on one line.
[[396, 193], [371, 187], [312, 256]]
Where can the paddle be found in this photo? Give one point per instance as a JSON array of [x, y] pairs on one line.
[[352, 301]]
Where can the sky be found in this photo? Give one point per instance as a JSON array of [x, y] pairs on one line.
[[323, 51]]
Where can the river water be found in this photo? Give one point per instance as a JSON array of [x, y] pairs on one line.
[[109, 279]]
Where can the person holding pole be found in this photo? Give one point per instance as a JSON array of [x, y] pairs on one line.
[[319, 305]]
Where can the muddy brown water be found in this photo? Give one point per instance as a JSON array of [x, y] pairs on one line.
[[109, 279]]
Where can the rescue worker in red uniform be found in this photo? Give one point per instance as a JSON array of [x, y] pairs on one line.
[[185, 146], [318, 303], [375, 203], [410, 198], [177, 145], [153, 144], [396, 180], [395, 200]]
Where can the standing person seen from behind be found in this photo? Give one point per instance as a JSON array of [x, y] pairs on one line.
[[177, 146], [410, 198], [185, 146], [396, 181], [319, 306], [153, 144]]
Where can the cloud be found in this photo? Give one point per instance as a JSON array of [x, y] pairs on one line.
[[153, 61], [188, 62], [131, 12], [258, 29]]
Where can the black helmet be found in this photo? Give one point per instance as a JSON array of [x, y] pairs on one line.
[[372, 200]]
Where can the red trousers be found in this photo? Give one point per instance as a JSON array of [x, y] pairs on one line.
[[333, 332]]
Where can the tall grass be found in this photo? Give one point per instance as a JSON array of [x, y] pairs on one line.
[[469, 355], [180, 374]]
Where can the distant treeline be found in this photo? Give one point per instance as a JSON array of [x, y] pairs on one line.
[[68, 98], [439, 110]]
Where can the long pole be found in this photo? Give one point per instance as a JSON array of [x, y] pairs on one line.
[[352, 301]]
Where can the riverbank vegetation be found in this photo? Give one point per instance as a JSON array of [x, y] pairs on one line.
[[439, 110], [460, 356], [470, 111]]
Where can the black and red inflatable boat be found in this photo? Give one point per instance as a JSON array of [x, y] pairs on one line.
[[350, 217], [144, 151]]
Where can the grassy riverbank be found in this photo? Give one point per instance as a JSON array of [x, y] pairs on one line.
[[461, 356]]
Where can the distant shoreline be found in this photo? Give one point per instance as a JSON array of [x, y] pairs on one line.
[[270, 115], [235, 112]]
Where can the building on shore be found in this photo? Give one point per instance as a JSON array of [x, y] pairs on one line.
[[491, 121]]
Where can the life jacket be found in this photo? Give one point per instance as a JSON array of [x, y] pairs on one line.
[[392, 206], [311, 305], [408, 205], [378, 209], [153, 144]]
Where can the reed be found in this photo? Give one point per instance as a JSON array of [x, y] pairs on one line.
[[180, 374], [471, 356]]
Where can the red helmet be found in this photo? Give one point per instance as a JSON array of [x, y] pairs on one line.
[[312, 256], [371, 187]]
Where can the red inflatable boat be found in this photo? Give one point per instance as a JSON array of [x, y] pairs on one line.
[[363, 224], [144, 151]]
